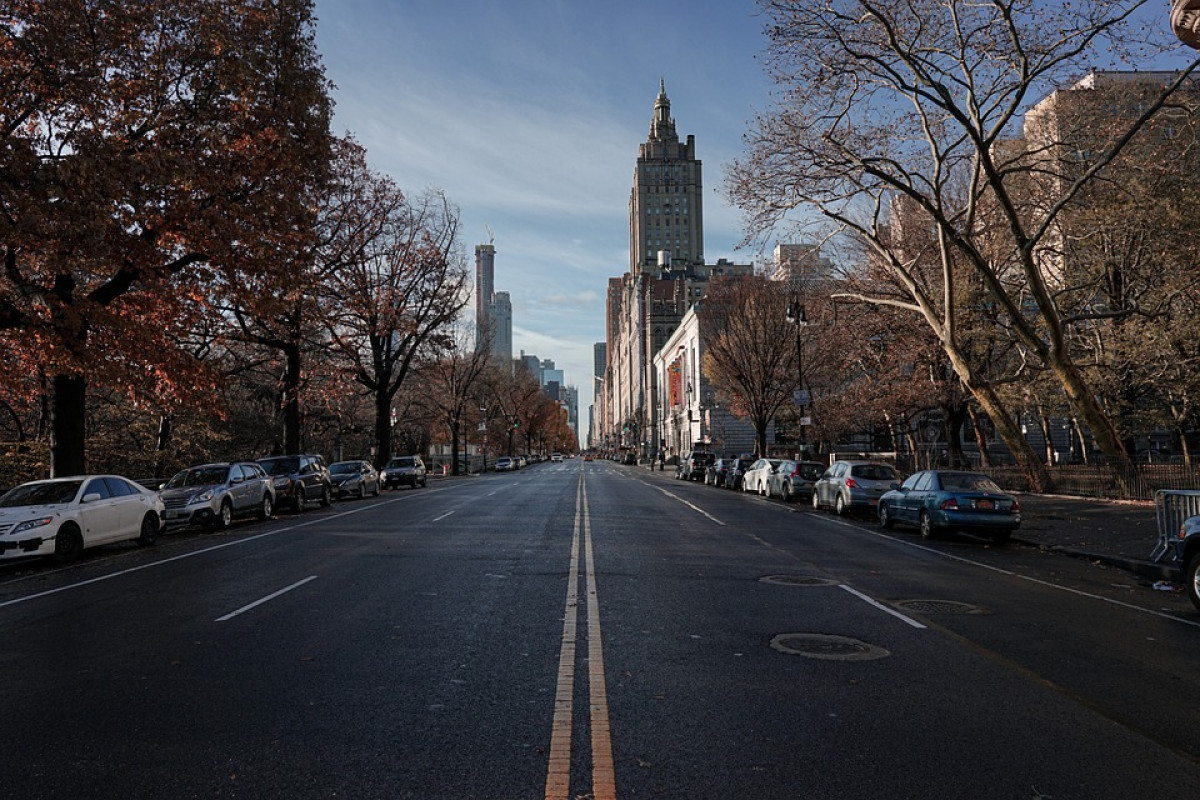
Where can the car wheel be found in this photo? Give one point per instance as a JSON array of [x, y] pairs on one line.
[[885, 516], [785, 493], [326, 496], [149, 533], [424, 483], [927, 531], [265, 507], [68, 543], [839, 505], [362, 491], [375, 493], [225, 516], [1191, 575], [816, 500], [301, 500]]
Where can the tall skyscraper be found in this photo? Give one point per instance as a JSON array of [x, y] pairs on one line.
[[493, 310], [666, 204], [485, 266]]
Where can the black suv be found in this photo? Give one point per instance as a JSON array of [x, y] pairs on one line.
[[695, 465], [299, 479], [403, 471]]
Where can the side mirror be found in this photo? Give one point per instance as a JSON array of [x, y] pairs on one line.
[[93, 497]]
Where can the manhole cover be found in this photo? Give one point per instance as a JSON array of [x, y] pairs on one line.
[[939, 607], [798, 580], [827, 647]]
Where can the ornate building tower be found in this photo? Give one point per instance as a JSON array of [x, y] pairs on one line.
[[666, 212]]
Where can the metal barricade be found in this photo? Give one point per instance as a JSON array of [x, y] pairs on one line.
[[1171, 508]]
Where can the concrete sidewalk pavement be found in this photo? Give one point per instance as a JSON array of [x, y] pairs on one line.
[[1122, 534]]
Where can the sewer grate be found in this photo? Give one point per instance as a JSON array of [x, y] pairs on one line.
[[827, 647], [798, 580], [940, 607]]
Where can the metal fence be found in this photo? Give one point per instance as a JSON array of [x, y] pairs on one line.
[[1171, 508]]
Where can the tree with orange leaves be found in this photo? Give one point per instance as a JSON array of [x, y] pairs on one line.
[[154, 150]]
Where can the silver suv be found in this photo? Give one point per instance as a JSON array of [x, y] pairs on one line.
[[404, 471], [853, 484], [213, 494]]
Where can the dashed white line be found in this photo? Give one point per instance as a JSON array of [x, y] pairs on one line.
[[268, 598]]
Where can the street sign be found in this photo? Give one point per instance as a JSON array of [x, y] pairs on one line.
[[801, 397]]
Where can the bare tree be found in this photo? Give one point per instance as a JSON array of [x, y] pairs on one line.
[[750, 359], [920, 99]]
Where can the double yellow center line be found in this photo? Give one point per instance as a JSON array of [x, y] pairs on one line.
[[558, 775]]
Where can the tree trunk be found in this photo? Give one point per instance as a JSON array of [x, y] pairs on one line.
[[956, 414], [68, 426], [1088, 412], [383, 429], [162, 442], [1183, 447], [985, 458], [290, 400], [1047, 435], [454, 428]]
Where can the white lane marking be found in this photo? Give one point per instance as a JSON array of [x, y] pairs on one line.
[[212, 549], [674, 496], [266, 599], [881, 606], [443, 516], [1011, 574]]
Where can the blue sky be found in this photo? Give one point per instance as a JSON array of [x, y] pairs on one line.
[[529, 114]]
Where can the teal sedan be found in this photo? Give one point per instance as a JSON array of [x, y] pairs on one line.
[[938, 501]]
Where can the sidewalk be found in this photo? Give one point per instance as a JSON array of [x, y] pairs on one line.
[[1120, 534]]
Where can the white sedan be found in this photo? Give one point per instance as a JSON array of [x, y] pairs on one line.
[[62, 516], [755, 478]]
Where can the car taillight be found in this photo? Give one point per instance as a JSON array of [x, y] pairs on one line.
[[1016, 507], [947, 505], [851, 483]]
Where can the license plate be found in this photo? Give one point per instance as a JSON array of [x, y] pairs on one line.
[[173, 514], [985, 505]]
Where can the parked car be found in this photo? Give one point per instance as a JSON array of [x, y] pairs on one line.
[[354, 479], [718, 471], [695, 465], [505, 464], [755, 478], [299, 480], [63, 516], [404, 471], [734, 479], [944, 500], [556, 457], [1187, 552], [848, 485], [215, 494], [792, 479]]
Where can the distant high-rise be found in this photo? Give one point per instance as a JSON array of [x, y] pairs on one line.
[[485, 266], [500, 313], [493, 310], [666, 211]]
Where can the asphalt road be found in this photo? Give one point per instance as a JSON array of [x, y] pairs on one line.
[[586, 630]]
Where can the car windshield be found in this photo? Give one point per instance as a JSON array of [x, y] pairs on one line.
[[967, 482], [873, 472], [400, 462], [281, 466], [811, 472], [345, 468], [41, 494], [201, 476]]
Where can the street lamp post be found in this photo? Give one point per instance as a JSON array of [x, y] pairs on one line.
[[797, 317]]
